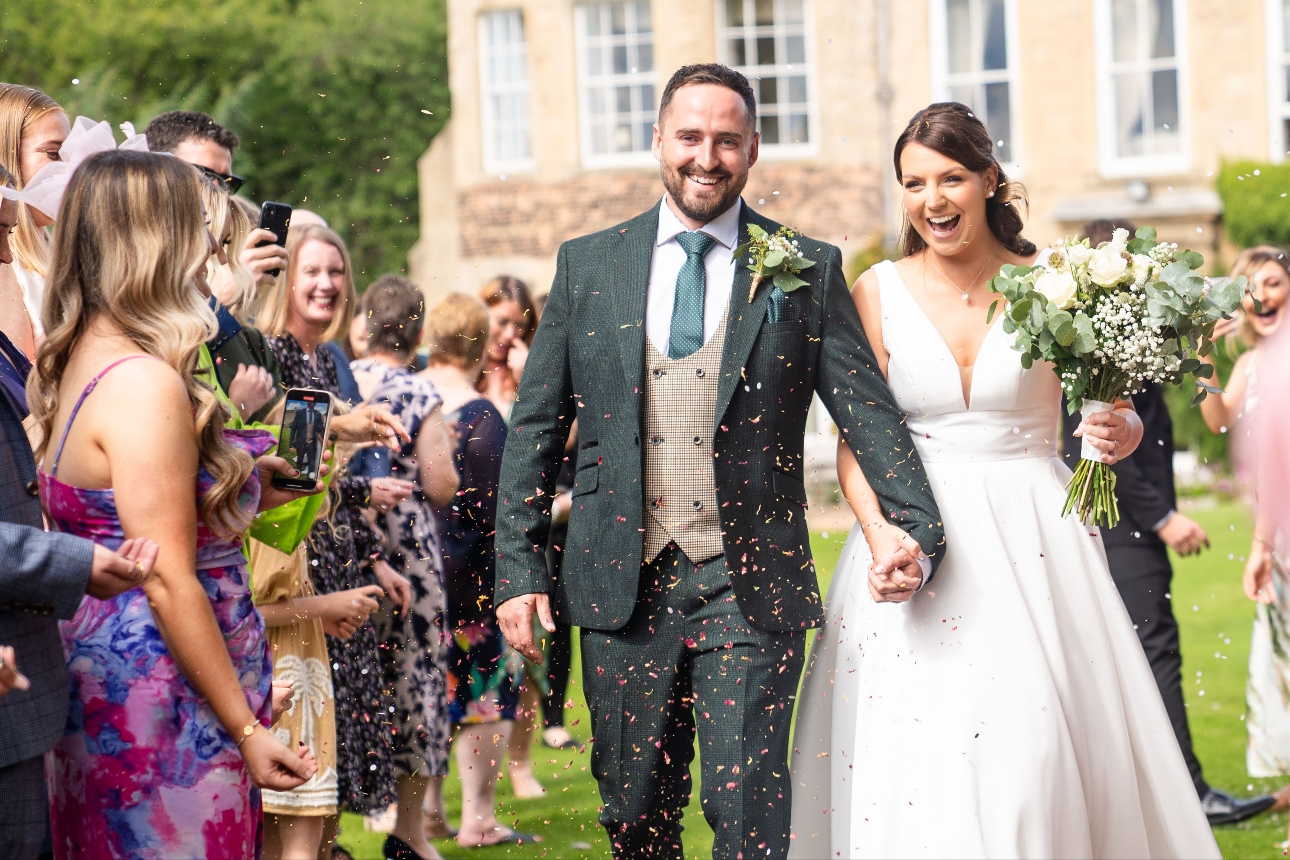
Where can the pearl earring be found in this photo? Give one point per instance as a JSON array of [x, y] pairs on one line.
[[991, 194]]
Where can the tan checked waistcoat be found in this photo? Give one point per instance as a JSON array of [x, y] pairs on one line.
[[680, 488]]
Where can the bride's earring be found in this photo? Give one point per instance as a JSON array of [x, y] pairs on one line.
[[991, 194]]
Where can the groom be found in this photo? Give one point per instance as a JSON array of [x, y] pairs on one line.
[[688, 562]]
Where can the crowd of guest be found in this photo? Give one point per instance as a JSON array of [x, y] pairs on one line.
[[221, 666]]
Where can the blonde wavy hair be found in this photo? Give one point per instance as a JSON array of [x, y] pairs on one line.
[[222, 214], [271, 317], [128, 247], [20, 107]]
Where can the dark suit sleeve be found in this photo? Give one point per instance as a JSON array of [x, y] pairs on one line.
[[1137, 495], [856, 395], [43, 572], [540, 422]]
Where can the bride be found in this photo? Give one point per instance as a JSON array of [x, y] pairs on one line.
[[1006, 709]]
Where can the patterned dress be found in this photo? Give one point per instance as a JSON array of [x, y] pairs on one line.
[[414, 649], [339, 547], [144, 768], [484, 675]]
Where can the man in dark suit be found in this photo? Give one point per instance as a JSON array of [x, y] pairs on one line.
[[688, 563], [305, 428], [1137, 552], [43, 576]]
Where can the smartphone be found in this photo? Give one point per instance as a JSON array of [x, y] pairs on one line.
[[303, 437], [276, 218]]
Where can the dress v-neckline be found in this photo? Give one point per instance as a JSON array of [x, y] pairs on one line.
[[968, 398]]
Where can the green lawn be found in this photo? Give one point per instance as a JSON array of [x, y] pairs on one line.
[[1215, 619]]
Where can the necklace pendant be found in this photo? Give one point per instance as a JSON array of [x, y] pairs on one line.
[[965, 297]]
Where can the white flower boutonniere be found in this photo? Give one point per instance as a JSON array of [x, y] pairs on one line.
[[774, 256]]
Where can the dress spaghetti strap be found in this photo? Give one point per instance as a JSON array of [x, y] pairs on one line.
[[58, 454]]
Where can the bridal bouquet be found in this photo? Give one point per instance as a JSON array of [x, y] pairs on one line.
[[1110, 319]]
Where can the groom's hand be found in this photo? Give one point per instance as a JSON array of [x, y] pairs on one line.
[[516, 619], [895, 573]]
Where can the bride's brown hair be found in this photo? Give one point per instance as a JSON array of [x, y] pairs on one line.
[[955, 132], [128, 246]]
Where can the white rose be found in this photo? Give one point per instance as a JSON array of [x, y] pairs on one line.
[[1108, 265], [1058, 288], [1141, 268], [1079, 255]]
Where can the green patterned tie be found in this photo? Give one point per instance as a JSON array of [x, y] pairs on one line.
[[691, 285]]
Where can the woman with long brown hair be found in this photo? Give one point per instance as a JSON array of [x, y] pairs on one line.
[[512, 319], [169, 682], [1008, 708]]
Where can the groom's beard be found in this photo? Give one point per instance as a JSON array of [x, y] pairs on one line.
[[697, 205]]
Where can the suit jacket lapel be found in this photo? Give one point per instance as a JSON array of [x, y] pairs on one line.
[[631, 264], [744, 319]]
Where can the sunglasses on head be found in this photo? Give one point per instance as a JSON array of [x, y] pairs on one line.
[[231, 181]]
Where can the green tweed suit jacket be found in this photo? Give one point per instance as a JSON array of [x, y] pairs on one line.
[[588, 362]]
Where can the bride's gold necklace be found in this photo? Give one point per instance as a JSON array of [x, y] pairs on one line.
[[962, 291]]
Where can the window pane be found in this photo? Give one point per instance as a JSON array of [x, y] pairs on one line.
[[797, 89], [623, 99], [793, 12], [1162, 28], [765, 13], [770, 129], [1129, 120], [1287, 92], [1285, 135], [734, 13], [769, 94], [593, 20], [600, 139], [623, 138], [996, 36], [618, 19], [766, 51], [998, 118], [958, 33], [647, 99], [795, 48], [645, 57], [1124, 30], [644, 24], [597, 102], [1285, 26], [1164, 106], [798, 129], [738, 53], [962, 95], [620, 60]]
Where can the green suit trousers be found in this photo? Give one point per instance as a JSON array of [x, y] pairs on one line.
[[688, 655]]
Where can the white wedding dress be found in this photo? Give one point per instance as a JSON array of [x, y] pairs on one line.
[[1006, 710]]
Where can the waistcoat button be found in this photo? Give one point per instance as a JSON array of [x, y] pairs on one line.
[[658, 374], [698, 506], [33, 489], [656, 440], [698, 371], [698, 440]]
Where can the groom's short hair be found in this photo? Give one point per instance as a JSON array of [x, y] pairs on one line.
[[709, 73]]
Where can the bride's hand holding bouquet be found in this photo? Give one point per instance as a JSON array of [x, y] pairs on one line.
[[1110, 319]]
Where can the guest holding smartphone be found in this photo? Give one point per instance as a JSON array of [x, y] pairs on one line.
[[124, 332]]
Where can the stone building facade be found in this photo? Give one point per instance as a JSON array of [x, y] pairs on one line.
[[1102, 108]]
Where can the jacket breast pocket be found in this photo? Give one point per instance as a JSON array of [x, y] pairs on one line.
[[788, 487], [586, 479]]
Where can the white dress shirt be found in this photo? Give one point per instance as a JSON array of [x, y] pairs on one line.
[[666, 262]]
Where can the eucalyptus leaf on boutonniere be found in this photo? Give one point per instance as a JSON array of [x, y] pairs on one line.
[[775, 256]]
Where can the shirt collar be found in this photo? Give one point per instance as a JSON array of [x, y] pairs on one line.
[[724, 228]]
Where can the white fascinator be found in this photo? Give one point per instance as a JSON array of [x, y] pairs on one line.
[[46, 188]]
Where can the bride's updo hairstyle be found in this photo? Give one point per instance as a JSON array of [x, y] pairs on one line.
[[955, 132], [128, 246]]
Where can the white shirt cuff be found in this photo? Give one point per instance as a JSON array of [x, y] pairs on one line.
[[925, 565]]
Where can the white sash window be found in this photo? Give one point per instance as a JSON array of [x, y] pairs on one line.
[[616, 83], [504, 92]]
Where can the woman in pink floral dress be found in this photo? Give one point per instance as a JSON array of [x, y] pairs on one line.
[[169, 681]]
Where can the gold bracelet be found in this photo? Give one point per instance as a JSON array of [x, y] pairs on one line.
[[247, 731]]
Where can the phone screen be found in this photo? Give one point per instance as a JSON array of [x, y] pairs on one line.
[[304, 433]]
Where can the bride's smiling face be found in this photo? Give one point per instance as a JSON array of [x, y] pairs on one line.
[[944, 200]]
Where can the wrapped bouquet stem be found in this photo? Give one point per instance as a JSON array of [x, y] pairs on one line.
[[1108, 320]]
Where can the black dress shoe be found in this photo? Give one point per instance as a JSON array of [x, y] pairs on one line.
[[396, 849], [1221, 808]]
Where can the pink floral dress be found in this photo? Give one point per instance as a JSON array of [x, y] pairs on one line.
[[144, 768]]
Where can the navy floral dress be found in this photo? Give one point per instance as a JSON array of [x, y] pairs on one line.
[[340, 549], [414, 648]]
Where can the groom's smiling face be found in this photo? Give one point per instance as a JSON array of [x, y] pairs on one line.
[[705, 143]]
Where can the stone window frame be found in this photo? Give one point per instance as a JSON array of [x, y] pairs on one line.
[[776, 75], [492, 92], [1111, 163], [639, 83], [1277, 32], [949, 85]]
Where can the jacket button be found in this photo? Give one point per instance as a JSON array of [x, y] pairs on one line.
[[698, 440], [33, 489], [698, 506], [698, 371]]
